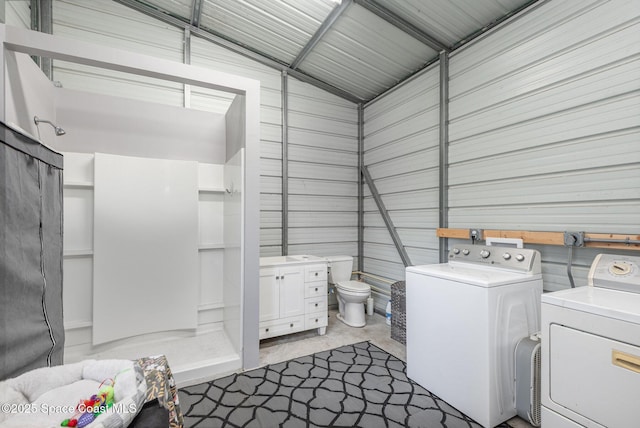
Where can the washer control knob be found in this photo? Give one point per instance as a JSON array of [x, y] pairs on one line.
[[456, 251], [506, 256], [465, 252], [519, 257], [484, 254]]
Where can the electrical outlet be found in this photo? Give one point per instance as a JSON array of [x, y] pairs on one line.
[[574, 239], [475, 234]]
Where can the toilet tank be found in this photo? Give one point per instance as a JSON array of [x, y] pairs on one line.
[[340, 268]]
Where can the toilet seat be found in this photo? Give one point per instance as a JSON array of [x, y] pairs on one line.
[[354, 286]]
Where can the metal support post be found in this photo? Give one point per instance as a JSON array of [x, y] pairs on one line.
[[285, 164], [187, 60], [443, 220], [360, 187]]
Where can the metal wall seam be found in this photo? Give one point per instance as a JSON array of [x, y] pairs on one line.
[[444, 153], [285, 164]]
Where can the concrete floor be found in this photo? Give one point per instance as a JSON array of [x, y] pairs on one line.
[[295, 345], [376, 331]]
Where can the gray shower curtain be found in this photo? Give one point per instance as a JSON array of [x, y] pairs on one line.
[[31, 325]]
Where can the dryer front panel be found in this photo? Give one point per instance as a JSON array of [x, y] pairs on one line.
[[594, 376]]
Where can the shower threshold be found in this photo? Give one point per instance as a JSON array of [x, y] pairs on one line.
[[193, 357]]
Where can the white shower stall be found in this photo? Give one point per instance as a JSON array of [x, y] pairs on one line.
[[160, 207]]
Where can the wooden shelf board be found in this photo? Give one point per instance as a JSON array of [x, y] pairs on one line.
[[549, 238]]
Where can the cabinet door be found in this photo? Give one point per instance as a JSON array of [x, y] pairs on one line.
[[291, 291], [269, 294]]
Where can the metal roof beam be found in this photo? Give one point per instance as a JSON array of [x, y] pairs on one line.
[[393, 19], [322, 30], [196, 13], [239, 49]]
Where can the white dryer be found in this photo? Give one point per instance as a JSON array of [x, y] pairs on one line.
[[464, 319], [591, 349]]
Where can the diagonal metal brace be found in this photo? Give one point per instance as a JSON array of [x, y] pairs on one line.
[[385, 216]]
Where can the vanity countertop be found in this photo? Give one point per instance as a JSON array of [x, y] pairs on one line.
[[290, 260]]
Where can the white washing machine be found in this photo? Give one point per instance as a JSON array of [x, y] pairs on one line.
[[464, 319], [591, 349]]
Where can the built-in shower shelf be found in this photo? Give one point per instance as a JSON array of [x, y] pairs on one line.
[[211, 190], [78, 185], [212, 246]]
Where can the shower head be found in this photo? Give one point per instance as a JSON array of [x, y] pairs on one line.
[[59, 131]]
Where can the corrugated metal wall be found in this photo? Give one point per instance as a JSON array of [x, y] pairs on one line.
[[322, 127], [545, 124], [401, 152], [323, 172], [535, 108], [206, 54], [17, 13], [109, 23]]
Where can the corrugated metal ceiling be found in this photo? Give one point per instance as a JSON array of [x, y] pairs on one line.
[[279, 29], [452, 21], [364, 55], [357, 49]]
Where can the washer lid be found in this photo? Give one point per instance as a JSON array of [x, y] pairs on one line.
[[481, 276], [354, 286]]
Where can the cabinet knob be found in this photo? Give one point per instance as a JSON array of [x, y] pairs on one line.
[[316, 273], [291, 325], [316, 319], [277, 277], [316, 305], [282, 277], [266, 329], [316, 288]]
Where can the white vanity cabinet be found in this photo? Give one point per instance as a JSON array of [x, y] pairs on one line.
[[281, 295], [293, 295]]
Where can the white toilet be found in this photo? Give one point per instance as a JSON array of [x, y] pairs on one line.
[[352, 295]]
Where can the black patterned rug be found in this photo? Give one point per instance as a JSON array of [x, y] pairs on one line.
[[356, 385]]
